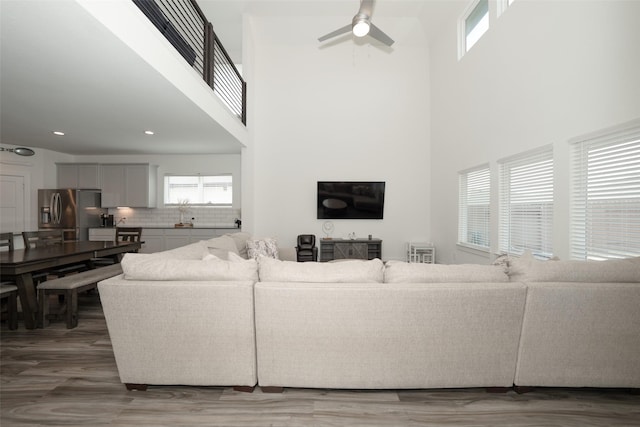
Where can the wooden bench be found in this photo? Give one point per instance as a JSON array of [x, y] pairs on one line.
[[10, 292], [69, 286]]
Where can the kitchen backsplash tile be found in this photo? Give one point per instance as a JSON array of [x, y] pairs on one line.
[[167, 217]]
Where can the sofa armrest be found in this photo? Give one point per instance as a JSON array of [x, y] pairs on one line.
[[580, 335], [181, 332]]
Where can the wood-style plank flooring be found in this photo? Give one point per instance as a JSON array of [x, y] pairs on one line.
[[62, 377]]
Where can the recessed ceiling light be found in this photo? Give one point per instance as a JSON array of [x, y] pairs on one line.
[[57, 132], [149, 132]]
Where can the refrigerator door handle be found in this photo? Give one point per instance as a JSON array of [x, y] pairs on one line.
[[52, 204], [56, 208]]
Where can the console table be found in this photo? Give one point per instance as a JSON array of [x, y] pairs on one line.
[[331, 249]]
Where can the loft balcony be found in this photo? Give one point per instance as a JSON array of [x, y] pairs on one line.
[[184, 25], [102, 72]]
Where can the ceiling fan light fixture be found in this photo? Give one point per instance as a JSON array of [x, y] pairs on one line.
[[361, 25], [20, 151]]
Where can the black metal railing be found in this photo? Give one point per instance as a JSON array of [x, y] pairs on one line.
[[187, 29]]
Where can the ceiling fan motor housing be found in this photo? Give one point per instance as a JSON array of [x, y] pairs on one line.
[[361, 24]]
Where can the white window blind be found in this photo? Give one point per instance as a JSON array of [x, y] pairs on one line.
[[474, 207], [526, 203], [605, 202], [214, 190]]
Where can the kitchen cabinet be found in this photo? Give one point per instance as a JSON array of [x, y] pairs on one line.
[[153, 240], [131, 185], [162, 239], [78, 175], [176, 237]]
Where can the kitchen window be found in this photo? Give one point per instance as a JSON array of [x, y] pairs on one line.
[[198, 190]]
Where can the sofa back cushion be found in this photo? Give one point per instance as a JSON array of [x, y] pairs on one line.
[[529, 269], [161, 268], [349, 271], [404, 272], [191, 251]]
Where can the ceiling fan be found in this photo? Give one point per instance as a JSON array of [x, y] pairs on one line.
[[361, 25]]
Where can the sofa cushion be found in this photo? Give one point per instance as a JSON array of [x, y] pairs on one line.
[[529, 269], [152, 267], [262, 248], [191, 251], [404, 272], [221, 246], [352, 271], [240, 239]]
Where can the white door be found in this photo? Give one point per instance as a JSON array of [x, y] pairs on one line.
[[12, 209]]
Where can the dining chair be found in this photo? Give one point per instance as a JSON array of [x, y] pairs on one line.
[[128, 234], [42, 238], [123, 234], [8, 289], [6, 241]]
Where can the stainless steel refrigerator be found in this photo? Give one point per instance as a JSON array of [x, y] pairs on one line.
[[70, 209]]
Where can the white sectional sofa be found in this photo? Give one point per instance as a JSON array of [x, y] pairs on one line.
[[581, 325], [188, 317]]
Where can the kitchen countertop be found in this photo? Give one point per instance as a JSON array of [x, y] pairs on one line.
[[164, 227]]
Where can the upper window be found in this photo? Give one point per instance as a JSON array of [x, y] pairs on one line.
[[503, 5], [605, 208], [475, 24], [215, 190], [474, 208], [526, 203]]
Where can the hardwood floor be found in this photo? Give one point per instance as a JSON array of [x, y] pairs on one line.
[[57, 376]]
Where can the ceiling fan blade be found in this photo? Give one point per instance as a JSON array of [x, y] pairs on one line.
[[366, 7], [339, 31], [379, 35]]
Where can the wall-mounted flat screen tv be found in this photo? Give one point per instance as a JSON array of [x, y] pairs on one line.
[[350, 199]]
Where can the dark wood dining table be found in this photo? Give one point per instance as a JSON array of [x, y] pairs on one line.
[[20, 264]]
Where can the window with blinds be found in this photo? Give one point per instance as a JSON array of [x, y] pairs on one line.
[[216, 190], [474, 208], [526, 204], [605, 200]]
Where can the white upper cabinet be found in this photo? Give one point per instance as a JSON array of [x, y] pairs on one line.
[[78, 175], [130, 185]]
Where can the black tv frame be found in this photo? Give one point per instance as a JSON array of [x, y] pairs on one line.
[[350, 199]]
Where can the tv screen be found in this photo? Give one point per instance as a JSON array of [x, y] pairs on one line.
[[350, 200]]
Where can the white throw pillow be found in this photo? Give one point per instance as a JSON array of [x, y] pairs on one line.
[[262, 248], [351, 271], [151, 267], [404, 272]]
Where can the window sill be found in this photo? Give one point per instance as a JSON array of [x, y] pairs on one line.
[[474, 250]]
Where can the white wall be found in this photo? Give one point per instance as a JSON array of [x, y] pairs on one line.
[[39, 171], [346, 111], [545, 72]]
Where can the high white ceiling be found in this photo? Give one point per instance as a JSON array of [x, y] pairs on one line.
[[61, 69]]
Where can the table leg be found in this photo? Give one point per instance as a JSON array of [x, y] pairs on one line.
[[28, 299]]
